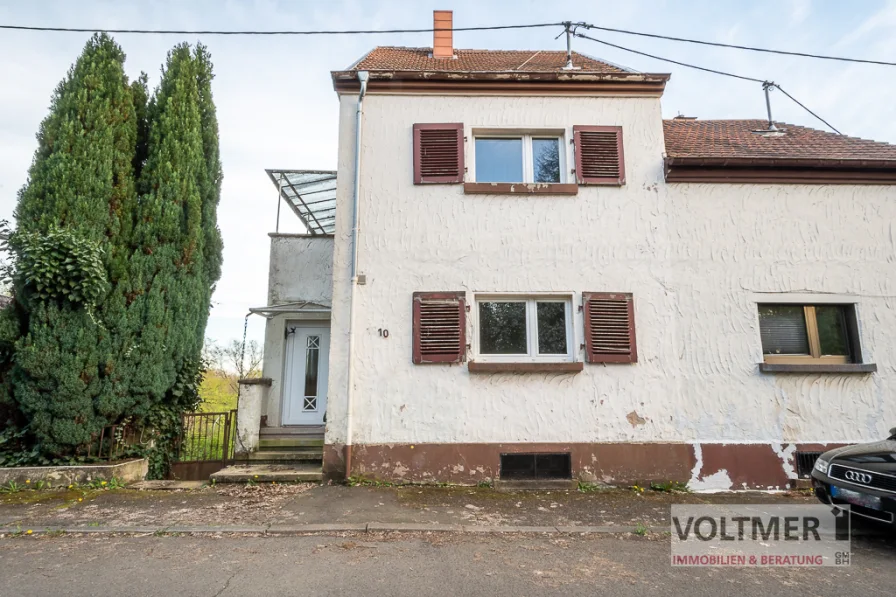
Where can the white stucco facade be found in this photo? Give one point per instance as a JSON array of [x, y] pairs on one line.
[[697, 257], [301, 271]]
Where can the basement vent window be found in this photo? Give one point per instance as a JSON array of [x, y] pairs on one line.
[[535, 466], [805, 462]]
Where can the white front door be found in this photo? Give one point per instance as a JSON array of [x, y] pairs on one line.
[[305, 386]]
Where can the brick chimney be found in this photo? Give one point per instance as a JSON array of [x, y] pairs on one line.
[[442, 42]]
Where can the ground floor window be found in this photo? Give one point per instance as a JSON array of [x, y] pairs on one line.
[[794, 334], [524, 328]]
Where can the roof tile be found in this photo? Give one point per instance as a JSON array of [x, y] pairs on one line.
[[736, 139], [420, 59]]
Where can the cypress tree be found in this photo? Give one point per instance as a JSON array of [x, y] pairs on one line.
[[117, 253], [70, 367], [210, 185], [178, 254]]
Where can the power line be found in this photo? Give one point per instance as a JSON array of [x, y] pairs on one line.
[[311, 32], [713, 71], [798, 103], [737, 47], [708, 70], [491, 28]]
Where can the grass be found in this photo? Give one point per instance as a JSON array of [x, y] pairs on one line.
[[670, 487], [585, 487], [640, 529], [217, 392], [364, 482], [11, 487]]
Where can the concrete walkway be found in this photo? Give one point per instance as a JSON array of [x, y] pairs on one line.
[[291, 507]]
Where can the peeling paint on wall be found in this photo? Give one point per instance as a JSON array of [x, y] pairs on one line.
[[634, 419], [718, 481]]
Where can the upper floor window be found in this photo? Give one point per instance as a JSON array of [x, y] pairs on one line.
[[518, 161], [524, 158], [807, 334]]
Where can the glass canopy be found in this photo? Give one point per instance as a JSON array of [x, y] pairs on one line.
[[312, 196]]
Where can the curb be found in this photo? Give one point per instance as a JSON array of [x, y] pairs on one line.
[[295, 530]]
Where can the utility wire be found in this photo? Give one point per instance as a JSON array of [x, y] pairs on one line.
[[800, 104], [488, 28], [708, 70], [321, 32], [713, 71], [374, 31], [737, 47]]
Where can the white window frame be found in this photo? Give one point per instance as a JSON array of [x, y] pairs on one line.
[[527, 136], [531, 301]]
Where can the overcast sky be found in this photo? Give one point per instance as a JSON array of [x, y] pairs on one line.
[[277, 109]]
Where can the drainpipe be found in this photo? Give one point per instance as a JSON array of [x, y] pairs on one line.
[[362, 77]]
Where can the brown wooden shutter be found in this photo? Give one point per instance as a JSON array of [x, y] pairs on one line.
[[599, 158], [440, 327], [609, 327], [438, 153]]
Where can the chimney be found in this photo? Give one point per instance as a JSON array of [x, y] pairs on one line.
[[442, 43]]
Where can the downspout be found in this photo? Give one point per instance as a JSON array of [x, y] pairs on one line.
[[356, 199]]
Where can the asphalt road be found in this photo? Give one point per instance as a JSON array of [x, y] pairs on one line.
[[403, 564]]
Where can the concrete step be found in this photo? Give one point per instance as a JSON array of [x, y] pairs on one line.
[[267, 442], [281, 455], [308, 430], [268, 473]]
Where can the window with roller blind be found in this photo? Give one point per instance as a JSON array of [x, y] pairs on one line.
[[808, 334]]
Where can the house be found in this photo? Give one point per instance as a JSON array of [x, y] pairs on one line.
[[521, 270]]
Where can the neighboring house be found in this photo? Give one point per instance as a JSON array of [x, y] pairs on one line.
[[544, 266]]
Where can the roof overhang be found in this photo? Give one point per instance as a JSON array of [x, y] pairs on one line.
[[779, 170], [504, 83], [312, 196], [290, 308]]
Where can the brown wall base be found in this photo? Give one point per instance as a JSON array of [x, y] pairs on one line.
[[747, 466]]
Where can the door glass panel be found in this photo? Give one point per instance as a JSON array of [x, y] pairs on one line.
[[832, 330], [312, 364], [783, 329], [546, 160], [502, 328], [551, 328], [499, 160]]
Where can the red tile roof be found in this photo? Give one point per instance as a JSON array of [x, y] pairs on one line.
[[720, 139], [387, 58]]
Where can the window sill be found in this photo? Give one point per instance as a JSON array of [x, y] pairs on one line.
[[520, 188], [821, 368], [477, 367]]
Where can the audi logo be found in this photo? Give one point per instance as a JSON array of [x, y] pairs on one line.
[[858, 477]]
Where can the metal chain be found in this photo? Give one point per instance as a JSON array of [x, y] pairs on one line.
[[238, 385]]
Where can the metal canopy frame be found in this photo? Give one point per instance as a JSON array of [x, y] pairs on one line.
[[311, 194], [289, 308]]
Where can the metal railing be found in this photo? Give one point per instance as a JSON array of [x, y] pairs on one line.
[[114, 441], [207, 437]]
